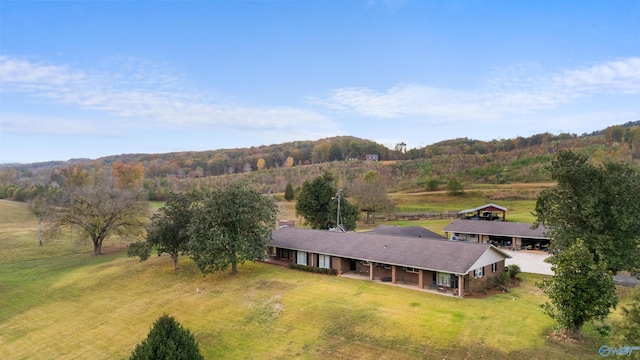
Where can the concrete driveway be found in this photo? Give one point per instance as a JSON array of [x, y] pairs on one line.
[[533, 262], [530, 261]]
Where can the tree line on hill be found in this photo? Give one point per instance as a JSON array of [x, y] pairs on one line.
[[271, 168]]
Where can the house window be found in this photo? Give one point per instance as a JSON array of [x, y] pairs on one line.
[[444, 279], [386, 266], [479, 272], [302, 257], [365, 262], [410, 270], [324, 261], [494, 267]]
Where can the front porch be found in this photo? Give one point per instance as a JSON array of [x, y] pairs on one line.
[[432, 289], [400, 281]]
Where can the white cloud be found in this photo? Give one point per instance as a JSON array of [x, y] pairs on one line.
[[27, 124], [508, 93], [146, 94]]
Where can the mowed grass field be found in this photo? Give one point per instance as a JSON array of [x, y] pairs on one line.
[[60, 302]]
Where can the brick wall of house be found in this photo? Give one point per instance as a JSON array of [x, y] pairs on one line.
[[339, 264]]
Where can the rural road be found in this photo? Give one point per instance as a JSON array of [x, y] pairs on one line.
[[533, 262]]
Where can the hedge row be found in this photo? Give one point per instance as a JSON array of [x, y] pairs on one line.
[[313, 269]]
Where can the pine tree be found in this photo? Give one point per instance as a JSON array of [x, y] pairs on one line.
[[167, 340], [288, 192]]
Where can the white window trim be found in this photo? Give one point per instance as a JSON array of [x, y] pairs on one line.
[[302, 258], [478, 273], [324, 261], [494, 267]]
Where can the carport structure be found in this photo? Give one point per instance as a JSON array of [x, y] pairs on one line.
[[485, 212], [512, 235]]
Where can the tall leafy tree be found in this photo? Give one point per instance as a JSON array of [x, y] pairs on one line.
[[168, 232], [167, 339], [581, 290], [370, 194], [97, 210], [230, 226], [314, 199], [596, 204], [317, 204]]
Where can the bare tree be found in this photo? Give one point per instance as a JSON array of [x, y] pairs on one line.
[[370, 195], [98, 210]]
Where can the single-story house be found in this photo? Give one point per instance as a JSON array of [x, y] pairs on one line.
[[514, 235], [485, 212], [418, 261]]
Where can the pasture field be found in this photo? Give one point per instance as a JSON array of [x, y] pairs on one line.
[[59, 301]]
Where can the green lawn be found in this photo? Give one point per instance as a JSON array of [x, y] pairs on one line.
[[60, 302]]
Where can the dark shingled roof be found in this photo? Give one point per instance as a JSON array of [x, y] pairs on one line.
[[430, 254], [413, 231], [497, 228]]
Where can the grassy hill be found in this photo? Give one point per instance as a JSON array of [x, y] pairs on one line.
[[59, 301]]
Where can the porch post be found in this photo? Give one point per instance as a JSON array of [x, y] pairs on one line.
[[460, 285], [393, 274], [421, 279], [371, 271]]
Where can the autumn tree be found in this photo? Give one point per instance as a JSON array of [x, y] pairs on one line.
[[127, 176], [370, 195], [98, 210], [581, 290], [230, 226], [75, 175], [168, 232], [260, 164], [288, 162], [167, 339]]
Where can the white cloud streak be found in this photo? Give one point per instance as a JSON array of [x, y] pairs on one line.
[[506, 94], [144, 94]]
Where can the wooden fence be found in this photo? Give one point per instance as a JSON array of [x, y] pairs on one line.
[[417, 216]]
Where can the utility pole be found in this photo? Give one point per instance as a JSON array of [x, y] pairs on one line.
[[338, 217]]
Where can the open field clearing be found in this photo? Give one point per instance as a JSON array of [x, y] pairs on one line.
[[60, 302]]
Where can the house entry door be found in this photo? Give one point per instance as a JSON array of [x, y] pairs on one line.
[[352, 265]]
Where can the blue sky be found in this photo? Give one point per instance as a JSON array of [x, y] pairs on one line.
[[91, 79]]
